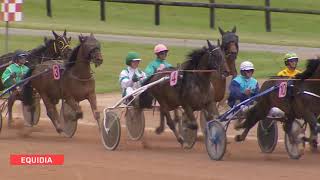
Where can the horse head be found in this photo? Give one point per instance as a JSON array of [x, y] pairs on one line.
[[61, 45], [230, 46], [216, 60], [312, 70], [91, 49]]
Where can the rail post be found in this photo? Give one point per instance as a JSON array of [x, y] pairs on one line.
[[212, 15], [102, 10], [49, 12], [157, 13], [268, 16]]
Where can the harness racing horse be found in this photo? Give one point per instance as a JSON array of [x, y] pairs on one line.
[[193, 91], [76, 83], [230, 49], [56, 48], [302, 101]]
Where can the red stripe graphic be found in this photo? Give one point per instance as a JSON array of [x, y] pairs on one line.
[[37, 159]]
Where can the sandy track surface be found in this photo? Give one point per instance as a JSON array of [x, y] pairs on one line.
[[155, 157]]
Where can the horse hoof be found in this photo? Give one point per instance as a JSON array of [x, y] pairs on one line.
[[193, 126], [314, 146], [181, 141], [159, 130], [238, 138], [97, 115], [79, 115], [59, 131]]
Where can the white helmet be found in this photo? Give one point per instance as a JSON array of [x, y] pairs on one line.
[[246, 65]]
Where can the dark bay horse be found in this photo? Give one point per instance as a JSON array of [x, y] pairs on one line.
[[76, 83], [193, 91], [296, 104], [56, 48], [230, 49]]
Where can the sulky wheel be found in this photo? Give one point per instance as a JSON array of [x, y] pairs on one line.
[[110, 131], [135, 123], [294, 142], [267, 134], [215, 140], [31, 114], [189, 135], [70, 122]]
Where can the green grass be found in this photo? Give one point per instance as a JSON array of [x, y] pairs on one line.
[[266, 64], [179, 22]]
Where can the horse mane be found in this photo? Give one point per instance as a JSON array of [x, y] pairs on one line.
[[193, 57], [311, 67], [37, 50], [73, 57]]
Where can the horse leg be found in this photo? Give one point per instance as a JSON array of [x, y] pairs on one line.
[[176, 116], [52, 112], [255, 114], [192, 124], [160, 129], [93, 103], [312, 121], [12, 98], [76, 107], [172, 126]]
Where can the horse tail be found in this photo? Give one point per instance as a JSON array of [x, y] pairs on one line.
[[27, 91]]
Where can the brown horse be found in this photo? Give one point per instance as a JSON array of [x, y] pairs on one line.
[[302, 101], [193, 91], [230, 49], [76, 83], [56, 48]]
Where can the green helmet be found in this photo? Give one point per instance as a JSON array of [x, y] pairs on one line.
[[132, 56], [289, 56]]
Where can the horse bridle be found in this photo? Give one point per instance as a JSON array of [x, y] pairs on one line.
[[63, 43], [211, 54]]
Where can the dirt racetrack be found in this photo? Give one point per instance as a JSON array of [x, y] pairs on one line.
[[154, 158]]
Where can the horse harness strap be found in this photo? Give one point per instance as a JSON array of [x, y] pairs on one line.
[[81, 79]]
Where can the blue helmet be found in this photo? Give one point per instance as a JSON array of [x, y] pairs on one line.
[[18, 54]]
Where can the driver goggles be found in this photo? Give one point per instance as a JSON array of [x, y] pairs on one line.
[[293, 60]]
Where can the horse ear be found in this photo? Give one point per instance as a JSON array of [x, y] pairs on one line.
[[65, 33], [219, 42], [81, 39], [221, 31], [55, 34], [209, 44], [234, 29], [69, 39]]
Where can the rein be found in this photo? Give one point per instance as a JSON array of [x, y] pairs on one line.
[[187, 70], [293, 79]]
